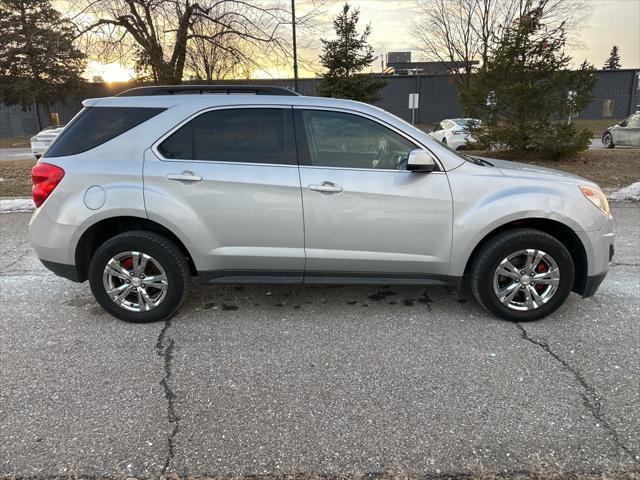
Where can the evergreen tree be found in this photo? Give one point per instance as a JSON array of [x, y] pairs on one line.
[[345, 57], [613, 62], [525, 92], [38, 61]]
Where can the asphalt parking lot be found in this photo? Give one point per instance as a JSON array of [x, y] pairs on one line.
[[333, 380]]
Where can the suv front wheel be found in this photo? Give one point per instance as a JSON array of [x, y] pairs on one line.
[[522, 275], [139, 277]]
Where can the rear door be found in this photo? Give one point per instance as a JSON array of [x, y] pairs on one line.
[[365, 215], [227, 180]]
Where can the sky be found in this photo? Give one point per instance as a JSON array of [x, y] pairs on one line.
[[610, 22]]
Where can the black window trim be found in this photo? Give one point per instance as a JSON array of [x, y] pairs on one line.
[[156, 144], [304, 157]]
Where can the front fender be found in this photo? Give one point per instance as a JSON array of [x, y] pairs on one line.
[[486, 202]]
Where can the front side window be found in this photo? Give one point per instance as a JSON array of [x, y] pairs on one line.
[[94, 126], [246, 135], [338, 139]]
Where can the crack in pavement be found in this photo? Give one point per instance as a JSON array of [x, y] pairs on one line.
[[21, 256], [590, 396], [165, 349]]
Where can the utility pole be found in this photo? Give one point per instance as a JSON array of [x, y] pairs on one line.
[[295, 48]]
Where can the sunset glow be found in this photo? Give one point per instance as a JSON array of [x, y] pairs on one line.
[[112, 72]]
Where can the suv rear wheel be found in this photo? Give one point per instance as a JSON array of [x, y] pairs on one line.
[[139, 277], [522, 275]]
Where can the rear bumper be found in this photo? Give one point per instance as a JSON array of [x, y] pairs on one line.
[[70, 272]]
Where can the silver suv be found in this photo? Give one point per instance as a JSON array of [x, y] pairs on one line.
[[142, 191]]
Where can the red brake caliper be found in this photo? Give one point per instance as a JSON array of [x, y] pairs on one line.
[[541, 268], [128, 263]]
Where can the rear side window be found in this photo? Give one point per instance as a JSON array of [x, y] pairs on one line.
[[244, 135], [97, 125]]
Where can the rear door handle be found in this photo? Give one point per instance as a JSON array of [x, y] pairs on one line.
[[184, 177], [326, 187]]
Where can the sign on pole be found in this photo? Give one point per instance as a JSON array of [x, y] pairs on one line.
[[414, 99]]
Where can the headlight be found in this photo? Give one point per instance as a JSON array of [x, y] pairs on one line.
[[596, 197]]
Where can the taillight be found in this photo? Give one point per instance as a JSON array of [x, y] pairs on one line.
[[45, 178]]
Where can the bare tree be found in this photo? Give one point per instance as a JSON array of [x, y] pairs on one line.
[[466, 30], [215, 60], [167, 36]]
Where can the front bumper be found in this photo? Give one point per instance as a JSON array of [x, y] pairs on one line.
[[600, 250]]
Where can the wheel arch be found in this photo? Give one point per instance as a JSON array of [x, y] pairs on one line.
[[556, 229], [107, 228]]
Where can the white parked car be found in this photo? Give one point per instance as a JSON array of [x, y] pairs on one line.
[[453, 132], [41, 141]]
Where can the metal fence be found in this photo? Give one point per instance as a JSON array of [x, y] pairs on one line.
[[617, 95]]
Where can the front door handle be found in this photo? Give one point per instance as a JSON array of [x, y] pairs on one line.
[[326, 187], [184, 177]]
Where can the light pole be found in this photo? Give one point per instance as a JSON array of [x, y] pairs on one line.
[[295, 49]]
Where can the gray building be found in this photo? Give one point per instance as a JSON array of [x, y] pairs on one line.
[[616, 96]]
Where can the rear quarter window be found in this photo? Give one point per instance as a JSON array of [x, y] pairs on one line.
[[96, 125]]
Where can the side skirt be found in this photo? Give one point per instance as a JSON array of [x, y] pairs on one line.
[[327, 278]]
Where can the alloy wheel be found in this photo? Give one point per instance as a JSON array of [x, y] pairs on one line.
[[527, 279], [135, 281]]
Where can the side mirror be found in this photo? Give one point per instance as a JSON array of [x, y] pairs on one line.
[[420, 161], [623, 123]]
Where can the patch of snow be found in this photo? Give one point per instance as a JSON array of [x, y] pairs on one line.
[[15, 205], [626, 194]]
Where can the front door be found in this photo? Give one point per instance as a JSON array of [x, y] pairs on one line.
[[227, 181], [365, 215]]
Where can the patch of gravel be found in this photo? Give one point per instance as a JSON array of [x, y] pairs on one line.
[[626, 194]]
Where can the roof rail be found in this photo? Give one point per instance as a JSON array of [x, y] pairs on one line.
[[204, 89]]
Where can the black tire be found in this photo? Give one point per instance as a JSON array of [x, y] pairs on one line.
[[164, 252], [607, 140], [499, 247]]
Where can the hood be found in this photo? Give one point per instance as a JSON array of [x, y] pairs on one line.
[[524, 170]]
